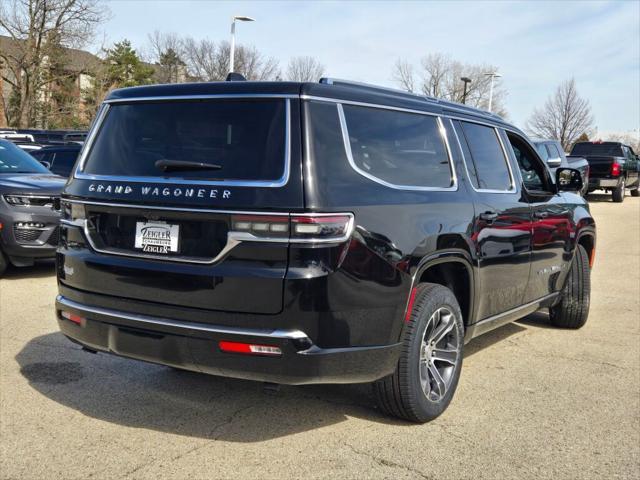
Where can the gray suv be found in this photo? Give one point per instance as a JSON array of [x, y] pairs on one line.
[[28, 220]]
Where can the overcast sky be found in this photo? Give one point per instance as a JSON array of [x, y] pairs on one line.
[[536, 45]]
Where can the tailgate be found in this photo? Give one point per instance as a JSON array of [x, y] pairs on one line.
[[147, 232], [600, 166], [199, 273]]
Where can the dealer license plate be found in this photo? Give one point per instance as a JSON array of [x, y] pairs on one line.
[[157, 237]]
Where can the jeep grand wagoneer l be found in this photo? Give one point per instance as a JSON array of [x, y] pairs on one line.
[[314, 233]]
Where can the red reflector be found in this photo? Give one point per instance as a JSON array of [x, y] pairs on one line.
[[249, 348], [72, 317], [412, 299]]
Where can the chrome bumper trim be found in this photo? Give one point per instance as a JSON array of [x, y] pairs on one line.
[[146, 321]]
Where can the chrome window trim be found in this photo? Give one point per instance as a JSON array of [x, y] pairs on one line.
[[348, 151], [513, 188], [431, 102], [368, 105], [90, 139], [183, 325], [234, 238], [280, 182]]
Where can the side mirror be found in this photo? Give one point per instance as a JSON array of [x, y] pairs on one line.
[[568, 180], [554, 162], [45, 164]]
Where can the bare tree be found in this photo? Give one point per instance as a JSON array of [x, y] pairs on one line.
[[404, 75], [629, 138], [38, 30], [439, 76], [564, 117], [167, 52], [304, 69], [161, 42], [209, 61]]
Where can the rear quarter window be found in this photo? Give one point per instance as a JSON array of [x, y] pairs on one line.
[[398, 148], [245, 137]]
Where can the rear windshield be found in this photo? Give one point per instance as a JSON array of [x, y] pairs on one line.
[[605, 149], [245, 138]]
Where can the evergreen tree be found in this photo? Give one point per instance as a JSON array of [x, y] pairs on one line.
[[171, 67], [124, 68]]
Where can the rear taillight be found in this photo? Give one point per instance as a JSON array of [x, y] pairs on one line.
[[304, 228], [615, 169], [319, 227], [261, 225]]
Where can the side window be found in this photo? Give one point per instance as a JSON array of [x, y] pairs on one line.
[[532, 170], [402, 149], [542, 151], [553, 151], [63, 162], [488, 166]]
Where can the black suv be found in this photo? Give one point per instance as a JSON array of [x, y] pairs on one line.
[[304, 233], [28, 220]]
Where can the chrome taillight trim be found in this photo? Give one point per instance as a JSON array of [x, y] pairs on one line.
[[234, 238]]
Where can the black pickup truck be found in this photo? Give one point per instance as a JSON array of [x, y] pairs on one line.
[[613, 167]]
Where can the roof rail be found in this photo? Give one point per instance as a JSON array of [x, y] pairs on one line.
[[376, 88], [368, 86]]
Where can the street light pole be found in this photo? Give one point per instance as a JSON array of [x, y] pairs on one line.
[[466, 80], [232, 52], [492, 75]]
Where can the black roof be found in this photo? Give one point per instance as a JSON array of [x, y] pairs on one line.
[[326, 88]]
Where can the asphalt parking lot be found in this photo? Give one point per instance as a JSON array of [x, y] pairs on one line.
[[533, 401]]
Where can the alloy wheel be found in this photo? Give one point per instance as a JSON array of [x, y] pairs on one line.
[[439, 354]]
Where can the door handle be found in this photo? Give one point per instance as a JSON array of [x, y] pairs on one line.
[[541, 214], [488, 216]]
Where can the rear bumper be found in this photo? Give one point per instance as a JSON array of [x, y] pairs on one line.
[[194, 346], [603, 183]]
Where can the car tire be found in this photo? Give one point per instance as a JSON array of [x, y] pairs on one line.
[[428, 370], [618, 193], [635, 192], [573, 308], [4, 263]]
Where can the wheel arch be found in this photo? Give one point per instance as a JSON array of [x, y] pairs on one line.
[[587, 240], [451, 268]]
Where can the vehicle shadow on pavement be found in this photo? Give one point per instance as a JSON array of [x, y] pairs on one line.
[[143, 395], [41, 269]]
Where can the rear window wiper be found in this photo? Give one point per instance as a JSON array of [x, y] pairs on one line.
[[181, 165]]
